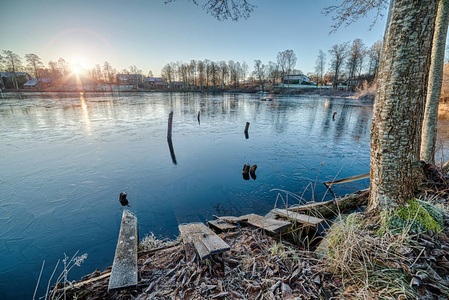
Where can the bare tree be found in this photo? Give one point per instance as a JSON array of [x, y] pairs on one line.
[[320, 65], [338, 54], [201, 76], [167, 73], [34, 63], [290, 59], [429, 132], [233, 72], [207, 71], [213, 73], [224, 72], [54, 71], [374, 58], [226, 9], [243, 70], [13, 63], [192, 71], [273, 72], [286, 61], [260, 72], [355, 59], [63, 66], [349, 11], [108, 73]]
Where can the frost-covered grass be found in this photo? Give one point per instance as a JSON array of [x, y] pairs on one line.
[[367, 263], [150, 242]]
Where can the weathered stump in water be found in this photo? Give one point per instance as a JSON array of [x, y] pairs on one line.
[[122, 199], [252, 171]]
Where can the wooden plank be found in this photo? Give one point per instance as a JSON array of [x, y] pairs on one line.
[[348, 179], [270, 225], [233, 220], [221, 225], [124, 268], [300, 218], [205, 241]]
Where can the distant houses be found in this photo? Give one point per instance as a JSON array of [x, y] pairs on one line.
[[41, 83], [125, 79], [176, 85], [8, 80], [156, 83]]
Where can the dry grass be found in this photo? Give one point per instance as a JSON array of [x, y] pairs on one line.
[[371, 266]]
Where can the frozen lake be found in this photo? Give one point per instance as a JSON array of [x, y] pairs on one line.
[[65, 159]]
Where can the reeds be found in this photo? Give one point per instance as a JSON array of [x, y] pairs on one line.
[[62, 278]]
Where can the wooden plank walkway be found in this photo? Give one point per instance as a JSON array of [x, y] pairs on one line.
[[124, 268], [205, 241], [300, 218]]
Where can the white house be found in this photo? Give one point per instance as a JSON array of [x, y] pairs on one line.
[[296, 79]]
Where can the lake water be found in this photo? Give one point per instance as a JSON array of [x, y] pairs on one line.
[[65, 159]]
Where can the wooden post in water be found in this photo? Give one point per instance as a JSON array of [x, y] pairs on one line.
[[246, 126], [252, 171], [246, 130], [245, 171], [172, 151], [170, 123]]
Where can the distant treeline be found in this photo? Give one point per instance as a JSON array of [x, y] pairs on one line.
[[347, 63]]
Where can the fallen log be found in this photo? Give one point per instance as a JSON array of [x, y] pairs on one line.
[[332, 208]]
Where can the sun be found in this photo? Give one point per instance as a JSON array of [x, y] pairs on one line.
[[78, 64], [76, 69]]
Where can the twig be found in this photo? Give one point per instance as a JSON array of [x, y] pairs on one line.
[[38, 280], [51, 277]]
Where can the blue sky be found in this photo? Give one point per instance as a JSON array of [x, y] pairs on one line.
[[149, 33]]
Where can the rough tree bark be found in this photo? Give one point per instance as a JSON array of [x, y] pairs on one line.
[[399, 105], [429, 130]]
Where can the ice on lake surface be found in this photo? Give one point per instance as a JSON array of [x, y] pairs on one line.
[[66, 158]]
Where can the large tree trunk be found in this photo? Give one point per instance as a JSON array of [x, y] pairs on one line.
[[429, 130], [399, 105]]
